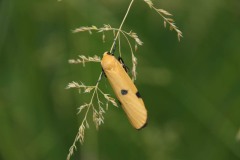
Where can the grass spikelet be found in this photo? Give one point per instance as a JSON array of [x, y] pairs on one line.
[[83, 59], [166, 20]]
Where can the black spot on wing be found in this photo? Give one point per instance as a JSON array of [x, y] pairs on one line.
[[138, 94], [124, 92]]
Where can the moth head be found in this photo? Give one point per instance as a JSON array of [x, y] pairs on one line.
[[108, 61]]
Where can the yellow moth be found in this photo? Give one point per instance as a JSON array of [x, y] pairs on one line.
[[125, 90]]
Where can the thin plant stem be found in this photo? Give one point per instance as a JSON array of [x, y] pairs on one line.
[[130, 5]]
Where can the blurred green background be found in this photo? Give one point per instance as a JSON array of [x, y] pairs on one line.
[[191, 89]]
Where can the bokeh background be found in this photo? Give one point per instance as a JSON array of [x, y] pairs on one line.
[[191, 89]]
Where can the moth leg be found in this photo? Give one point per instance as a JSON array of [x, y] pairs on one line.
[[103, 73], [120, 104], [123, 64]]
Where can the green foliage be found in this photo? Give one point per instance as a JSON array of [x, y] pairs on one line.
[[191, 88]]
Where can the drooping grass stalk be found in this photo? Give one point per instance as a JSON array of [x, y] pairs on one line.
[[119, 29]]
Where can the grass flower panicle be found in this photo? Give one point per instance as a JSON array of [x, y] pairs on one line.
[[96, 104]]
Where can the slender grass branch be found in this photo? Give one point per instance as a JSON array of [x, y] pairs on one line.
[[129, 7]]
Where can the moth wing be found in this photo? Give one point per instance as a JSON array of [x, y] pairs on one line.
[[135, 109], [125, 90]]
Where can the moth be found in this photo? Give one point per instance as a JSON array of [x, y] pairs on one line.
[[125, 90]]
